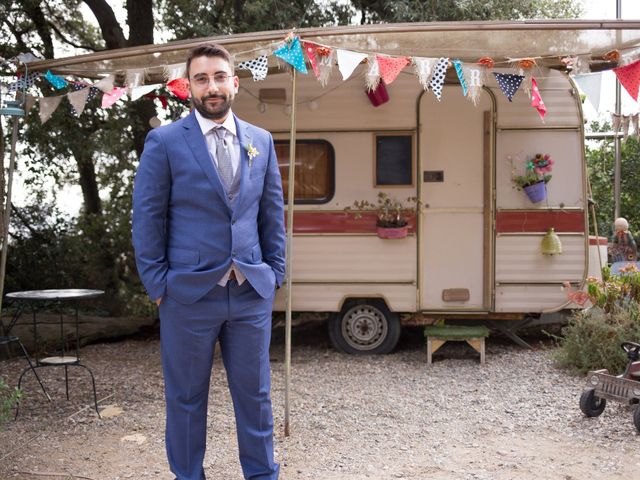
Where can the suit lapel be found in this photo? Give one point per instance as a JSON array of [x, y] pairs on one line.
[[198, 145], [244, 139]]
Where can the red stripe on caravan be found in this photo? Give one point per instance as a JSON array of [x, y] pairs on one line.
[[530, 221], [338, 222], [593, 240]]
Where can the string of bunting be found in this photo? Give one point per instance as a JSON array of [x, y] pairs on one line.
[[430, 72]]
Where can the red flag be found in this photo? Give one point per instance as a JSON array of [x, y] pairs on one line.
[[536, 99], [629, 77], [310, 50], [390, 67], [179, 87]]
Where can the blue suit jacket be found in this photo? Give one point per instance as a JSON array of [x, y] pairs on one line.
[[185, 234]]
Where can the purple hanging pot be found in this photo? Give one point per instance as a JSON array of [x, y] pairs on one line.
[[536, 192]]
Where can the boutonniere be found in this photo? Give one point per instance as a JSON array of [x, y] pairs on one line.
[[252, 152]]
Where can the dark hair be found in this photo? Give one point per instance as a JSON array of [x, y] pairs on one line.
[[209, 50]]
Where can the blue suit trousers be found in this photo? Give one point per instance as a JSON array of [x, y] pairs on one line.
[[241, 320]]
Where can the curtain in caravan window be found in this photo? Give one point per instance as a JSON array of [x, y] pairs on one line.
[[315, 167]]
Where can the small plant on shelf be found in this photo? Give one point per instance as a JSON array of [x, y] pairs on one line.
[[391, 214], [536, 175]]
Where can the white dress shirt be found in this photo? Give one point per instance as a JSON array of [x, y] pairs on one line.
[[233, 144]]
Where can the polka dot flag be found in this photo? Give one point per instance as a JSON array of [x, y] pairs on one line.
[[57, 82], [437, 79], [259, 67], [629, 77], [390, 67], [292, 54], [509, 83]]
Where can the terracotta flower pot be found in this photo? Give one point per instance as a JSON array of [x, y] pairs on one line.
[[393, 233]]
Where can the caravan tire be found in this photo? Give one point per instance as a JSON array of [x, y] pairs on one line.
[[364, 327]]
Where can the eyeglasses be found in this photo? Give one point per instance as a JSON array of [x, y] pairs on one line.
[[202, 79]]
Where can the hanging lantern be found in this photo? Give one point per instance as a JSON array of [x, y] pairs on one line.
[[551, 244]]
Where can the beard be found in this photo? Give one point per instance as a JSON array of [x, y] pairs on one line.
[[211, 111]]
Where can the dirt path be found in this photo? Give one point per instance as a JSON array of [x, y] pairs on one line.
[[352, 418]]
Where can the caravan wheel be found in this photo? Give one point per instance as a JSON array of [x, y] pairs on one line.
[[364, 326]]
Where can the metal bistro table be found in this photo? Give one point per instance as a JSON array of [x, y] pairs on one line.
[[39, 300]]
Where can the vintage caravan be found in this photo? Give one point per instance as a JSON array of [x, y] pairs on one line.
[[474, 245]]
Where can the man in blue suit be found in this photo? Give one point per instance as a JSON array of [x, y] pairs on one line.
[[208, 232]]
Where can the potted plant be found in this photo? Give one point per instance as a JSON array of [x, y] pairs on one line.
[[391, 221], [537, 175]]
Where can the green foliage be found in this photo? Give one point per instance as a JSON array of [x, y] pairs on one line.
[[9, 399], [391, 213], [592, 339]]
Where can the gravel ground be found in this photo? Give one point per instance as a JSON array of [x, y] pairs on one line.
[[352, 417]]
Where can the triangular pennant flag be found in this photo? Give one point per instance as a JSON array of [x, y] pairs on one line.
[[29, 102], [180, 88], [625, 126], [348, 61], [424, 69], [325, 65], [55, 80], [310, 50], [590, 85], [23, 82], [615, 122], [372, 78], [629, 78], [78, 100], [138, 92], [508, 83], [135, 78], [291, 53], [390, 67], [106, 84], [437, 79], [259, 67], [536, 99], [108, 99], [48, 105], [460, 71], [176, 70], [475, 81], [634, 122]]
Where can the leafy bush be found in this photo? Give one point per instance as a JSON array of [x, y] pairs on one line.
[[8, 400]]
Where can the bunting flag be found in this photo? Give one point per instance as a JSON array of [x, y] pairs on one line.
[[291, 52], [536, 100], [348, 61], [372, 78], [390, 67], [634, 122], [259, 67], [437, 79], [24, 82], [325, 64], [629, 78], [135, 78], [475, 81], [310, 50], [29, 102], [48, 105], [106, 84], [424, 70], [460, 71], [180, 88], [590, 85], [91, 94], [78, 100], [176, 70], [615, 122], [508, 83], [625, 126], [57, 82], [108, 99], [142, 90]]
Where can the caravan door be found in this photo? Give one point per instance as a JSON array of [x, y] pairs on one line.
[[455, 224]]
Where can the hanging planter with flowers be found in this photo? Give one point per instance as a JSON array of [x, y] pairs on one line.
[[537, 175]]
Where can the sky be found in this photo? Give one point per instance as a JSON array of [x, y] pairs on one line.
[[70, 198]]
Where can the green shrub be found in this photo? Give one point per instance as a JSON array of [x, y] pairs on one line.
[[591, 340], [8, 400]]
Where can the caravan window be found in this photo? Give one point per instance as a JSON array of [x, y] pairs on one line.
[[315, 167], [394, 159]]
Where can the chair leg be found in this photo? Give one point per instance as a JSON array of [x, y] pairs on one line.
[[93, 383], [31, 366]]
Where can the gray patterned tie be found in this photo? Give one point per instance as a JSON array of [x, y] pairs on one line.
[[223, 156]]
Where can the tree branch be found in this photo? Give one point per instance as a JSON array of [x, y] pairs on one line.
[[68, 41], [111, 30]]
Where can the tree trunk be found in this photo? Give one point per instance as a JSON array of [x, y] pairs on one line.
[[88, 184]]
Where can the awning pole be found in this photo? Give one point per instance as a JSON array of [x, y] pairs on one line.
[[289, 250], [7, 210]]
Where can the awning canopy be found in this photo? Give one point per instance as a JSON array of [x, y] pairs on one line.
[[547, 41]]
